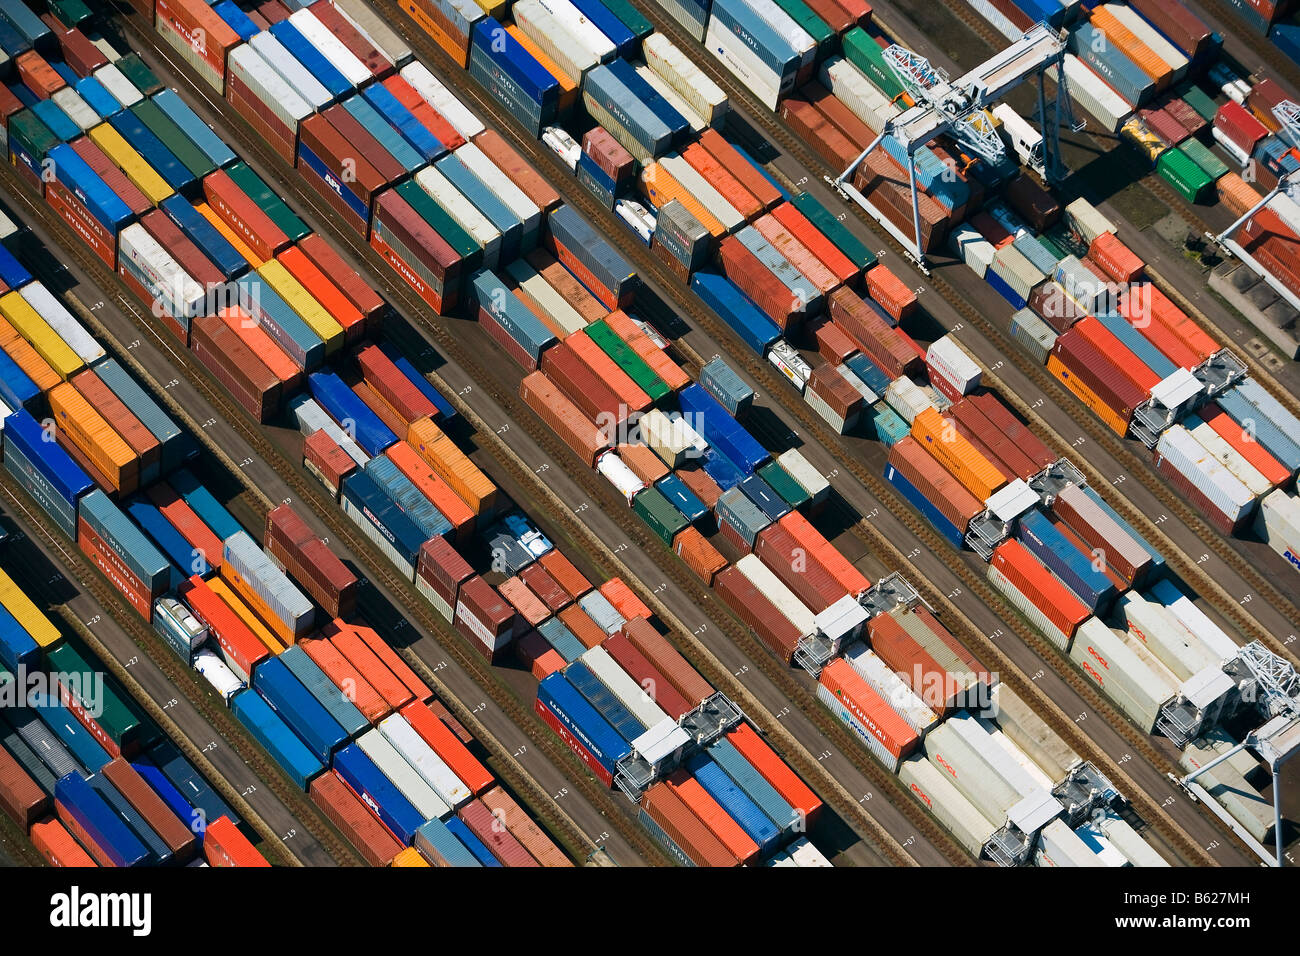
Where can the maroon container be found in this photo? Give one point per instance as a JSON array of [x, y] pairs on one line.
[[330, 462], [310, 562], [872, 332], [583, 438], [443, 568], [258, 115], [503, 844], [812, 126], [839, 115], [1164, 125], [344, 809], [759, 283], [393, 386], [665, 658], [654, 683], [113, 177], [1034, 203], [1099, 372], [419, 238], [833, 343], [356, 42], [541, 583], [608, 155], [831, 387], [178, 836], [933, 481], [20, 796], [797, 568], [592, 396], [159, 225], [231, 362], [1003, 449], [325, 258], [522, 828], [760, 614], [517, 170], [1184, 29]]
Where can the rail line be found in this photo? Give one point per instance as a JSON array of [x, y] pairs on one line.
[[90, 579], [798, 756], [775, 385], [1259, 45]]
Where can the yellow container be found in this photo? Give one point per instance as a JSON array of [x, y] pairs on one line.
[[409, 857], [28, 323], [78, 422], [26, 358], [124, 157], [452, 465], [229, 234], [660, 188], [1114, 421], [245, 614], [278, 628], [940, 438], [304, 303], [35, 623]]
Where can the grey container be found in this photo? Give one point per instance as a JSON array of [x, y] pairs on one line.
[[269, 583], [601, 611], [559, 636], [612, 95], [596, 255], [1034, 335], [42, 741], [1279, 420], [502, 87], [329, 694], [679, 231], [516, 318], [488, 203], [781, 267], [742, 515], [177, 446], [721, 381], [11, 741], [126, 541], [1037, 253]]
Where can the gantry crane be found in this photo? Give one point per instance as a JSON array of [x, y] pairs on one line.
[[958, 108]]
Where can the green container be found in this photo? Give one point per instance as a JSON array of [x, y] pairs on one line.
[[1201, 101], [835, 230], [863, 52], [1061, 238], [630, 17], [268, 202], [69, 12], [1051, 246], [118, 718], [26, 129], [427, 208], [791, 492], [1200, 154], [181, 146], [141, 77], [813, 25], [625, 358], [1189, 180], [660, 514]]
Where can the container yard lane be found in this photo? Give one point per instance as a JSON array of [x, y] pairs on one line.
[[858, 788], [161, 363]]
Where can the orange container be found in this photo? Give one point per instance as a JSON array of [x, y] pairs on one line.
[[27, 358], [422, 475], [351, 645], [78, 423], [527, 604], [668, 370], [717, 176], [324, 291], [799, 255], [555, 564], [1127, 43], [347, 678], [711, 813], [453, 466], [776, 772], [393, 661], [122, 420], [660, 188], [562, 281], [583, 627], [700, 556], [377, 404], [282, 632], [264, 347], [1114, 421], [57, 845], [592, 356], [232, 237], [957, 455], [41, 78], [1237, 194], [624, 599], [802, 229]]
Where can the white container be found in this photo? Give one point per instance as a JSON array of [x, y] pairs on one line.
[[1194, 619], [68, 100], [1111, 664], [787, 360], [441, 99], [569, 54], [981, 768], [1058, 845], [1021, 758], [536, 287], [1030, 733], [796, 36], [809, 478], [180, 294], [118, 86], [291, 71], [703, 95], [1087, 220], [936, 792], [1190, 459], [464, 212], [381, 37], [1128, 841], [901, 698], [402, 775], [629, 693], [670, 439], [1011, 265], [765, 83], [280, 595], [618, 474], [954, 363], [1148, 657], [907, 398], [504, 189], [828, 414], [1229, 457], [268, 86], [214, 670], [852, 88], [771, 587], [1103, 104], [312, 418], [582, 29], [331, 47], [674, 99], [1278, 524], [424, 760], [806, 855], [61, 321], [1232, 149], [996, 19], [973, 249], [695, 439], [1170, 54], [1156, 627], [697, 186]]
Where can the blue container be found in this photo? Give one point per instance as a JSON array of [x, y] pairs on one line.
[[746, 776], [487, 202], [1138, 344], [922, 504], [11, 41], [303, 713], [682, 498], [15, 387], [598, 182], [177, 446], [205, 235], [201, 501], [192, 818], [1156, 569], [457, 828], [625, 42], [512, 315], [738, 805], [1245, 412], [1042, 11], [151, 148], [744, 23], [718, 428], [1037, 533], [437, 835], [93, 814], [343, 405], [236, 19], [125, 540], [186, 558], [491, 72], [404, 121], [446, 411], [294, 757], [341, 709], [588, 728], [389, 138], [491, 40], [32, 27], [307, 157], [890, 426], [182, 775], [745, 319], [25, 95], [59, 122], [91, 191], [678, 125], [47, 471], [378, 792], [601, 259], [760, 492], [1119, 72], [72, 734], [12, 271], [871, 374], [602, 698], [563, 640], [17, 648], [607, 87], [96, 97], [720, 468], [281, 322], [1000, 286], [401, 533], [1286, 37], [317, 65], [160, 853], [431, 522]]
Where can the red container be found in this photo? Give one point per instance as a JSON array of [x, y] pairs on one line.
[[356, 42], [724, 181], [343, 808], [1187, 117], [595, 358], [119, 417], [872, 333], [206, 33], [581, 386], [759, 283], [503, 844], [913, 663], [660, 689], [323, 256], [1117, 354], [180, 839], [838, 115], [111, 566], [1099, 372], [1263, 97], [239, 645], [310, 562], [443, 568], [1250, 449], [348, 642], [113, 177], [447, 746], [560, 730], [797, 568], [420, 239], [700, 484], [852, 580], [1005, 449], [517, 170], [565, 574], [327, 460], [754, 182], [364, 145], [802, 229], [811, 126], [574, 428], [1117, 260], [429, 118], [528, 605], [1140, 311], [990, 229], [893, 733], [1165, 125], [1019, 19], [611, 158], [930, 478], [684, 828], [393, 661], [1057, 603], [711, 813], [224, 845], [20, 796], [776, 772], [624, 599], [231, 362], [393, 386], [79, 219], [758, 612], [180, 248], [541, 583], [242, 215], [797, 253], [522, 828], [1240, 126], [346, 677], [58, 847], [833, 343], [664, 658], [1184, 29], [483, 616], [891, 292], [273, 11]]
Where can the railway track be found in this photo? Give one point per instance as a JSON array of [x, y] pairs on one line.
[[1260, 46], [88, 578]]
